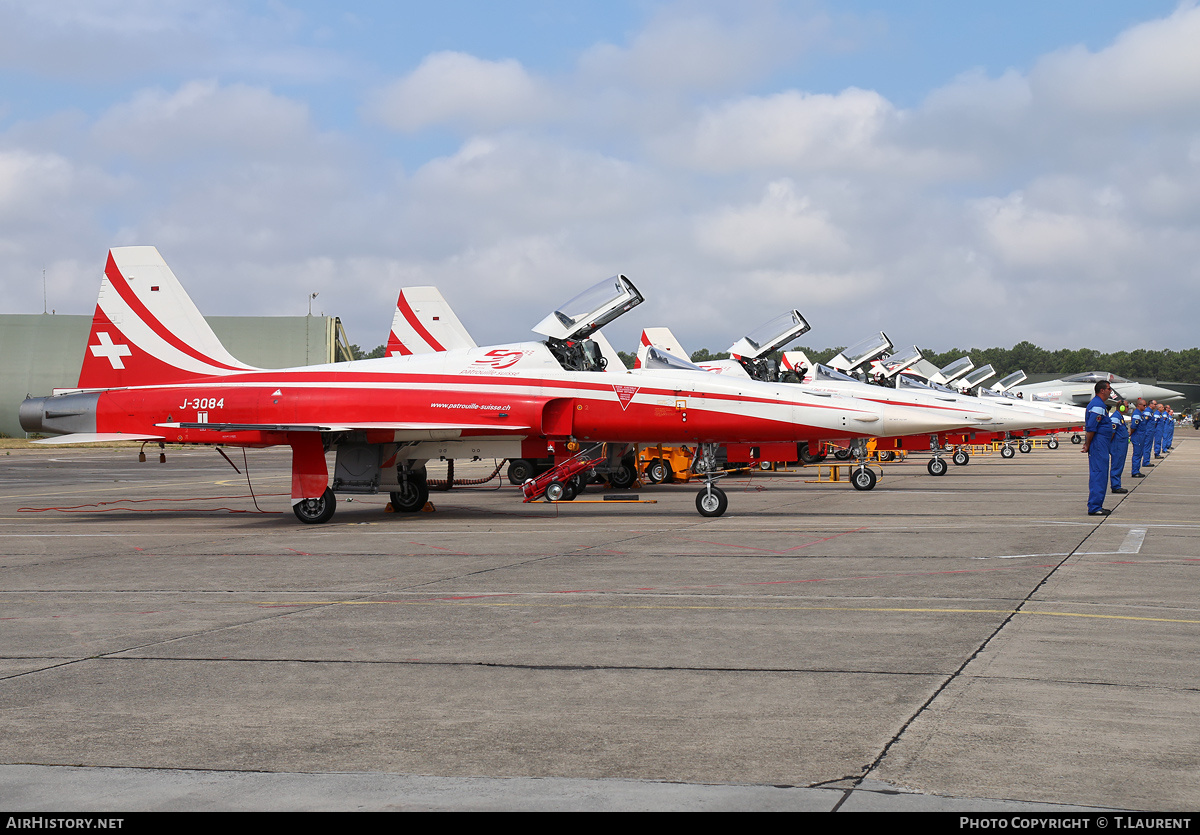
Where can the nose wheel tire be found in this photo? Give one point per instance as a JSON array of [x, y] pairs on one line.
[[316, 511], [961, 458], [1076, 439], [936, 466], [712, 503], [863, 479], [1007, 452]]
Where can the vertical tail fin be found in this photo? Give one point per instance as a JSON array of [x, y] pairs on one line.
[[146, 331], [424, 323], [664, 340]]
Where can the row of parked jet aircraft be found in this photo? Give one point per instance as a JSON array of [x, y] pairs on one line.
[[154, 371]]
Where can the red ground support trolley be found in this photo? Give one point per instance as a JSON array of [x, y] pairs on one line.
[[564, 481]]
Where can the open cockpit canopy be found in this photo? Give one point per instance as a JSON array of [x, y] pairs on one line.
[[591, 310], [771, 335]]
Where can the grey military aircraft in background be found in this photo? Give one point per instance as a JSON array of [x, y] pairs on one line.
[[1080, 388]]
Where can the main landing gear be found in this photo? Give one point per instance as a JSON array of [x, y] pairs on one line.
[[1007, 451], [413, 492], [316, 511], [960, 457], [1052, 443]]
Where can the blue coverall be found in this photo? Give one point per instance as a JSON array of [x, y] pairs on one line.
[[1137, 434], [1148, 425], [1099, 464], [1120, 446]]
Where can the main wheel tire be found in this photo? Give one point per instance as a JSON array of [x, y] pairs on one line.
[[887, 455], [519, 471], [809, 457], [711, 504], [1076, 439], [936, 466], [842, 455], [1007, 452], [863, 479], [316, 511], [1025, 447], [658, 471], [765, 466], [1052, 443], [623, 477], [961, 458], [556, 491], [411, 497]]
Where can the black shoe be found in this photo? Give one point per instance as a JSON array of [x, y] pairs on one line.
[[1104, 511], [1118, 490], [1158, 456], [1138, 475], [1144, 466]]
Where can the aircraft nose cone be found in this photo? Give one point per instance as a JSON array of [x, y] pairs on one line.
[[1159, 393]]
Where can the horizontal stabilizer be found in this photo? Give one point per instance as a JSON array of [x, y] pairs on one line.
[[96, 438]]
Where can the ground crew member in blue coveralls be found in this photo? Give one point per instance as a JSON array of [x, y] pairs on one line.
[[1120, 445], [1160, 429], [1137, 434], [1148, 424], [1170, 438], [1097, 440]]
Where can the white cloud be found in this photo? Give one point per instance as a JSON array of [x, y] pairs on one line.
[[794, 131], [1150, 69], [783, 227], [453, 88], [684, 48], [202, 117]]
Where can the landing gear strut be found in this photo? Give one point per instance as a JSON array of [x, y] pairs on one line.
[[936, 465]]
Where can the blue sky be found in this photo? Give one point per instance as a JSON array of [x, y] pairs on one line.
[[958, 174]]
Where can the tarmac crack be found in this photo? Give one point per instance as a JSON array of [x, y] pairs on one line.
[[954, 676]]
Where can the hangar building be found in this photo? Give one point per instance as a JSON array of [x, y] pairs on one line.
[[42, 351]]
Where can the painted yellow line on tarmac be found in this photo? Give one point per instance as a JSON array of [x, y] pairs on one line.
[[909, 610]]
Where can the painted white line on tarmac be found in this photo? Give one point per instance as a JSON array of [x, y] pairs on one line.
[[1133, 541]]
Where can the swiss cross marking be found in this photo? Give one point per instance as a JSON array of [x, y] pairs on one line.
[[109, 351], [625, 394]]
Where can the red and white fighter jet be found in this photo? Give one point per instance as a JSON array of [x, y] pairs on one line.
[[153, 370]]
